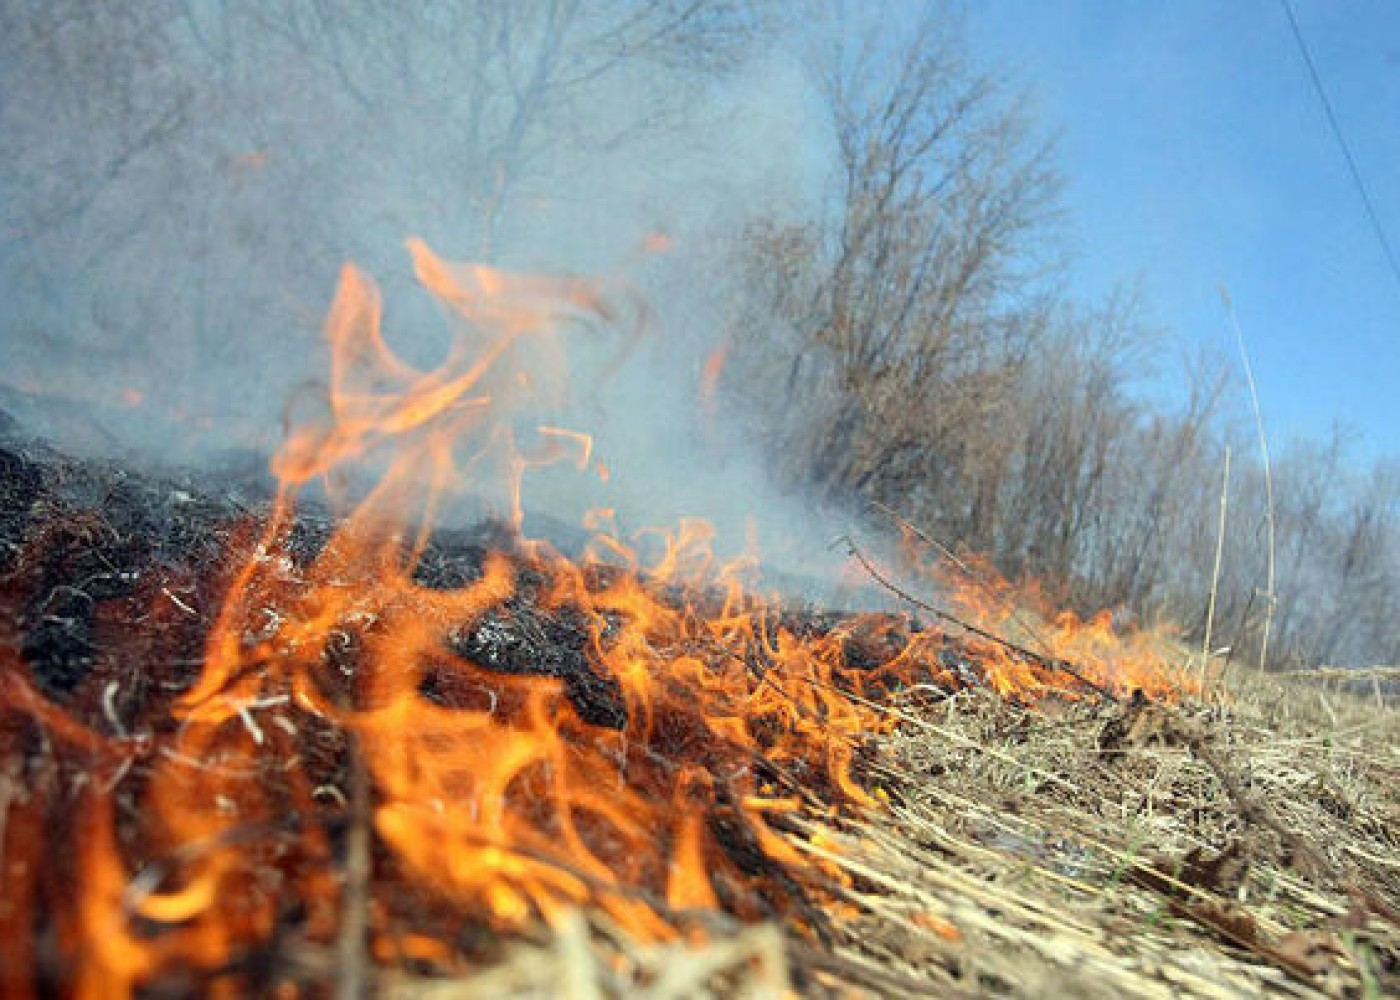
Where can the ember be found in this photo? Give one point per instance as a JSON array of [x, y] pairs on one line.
[[414, 735]]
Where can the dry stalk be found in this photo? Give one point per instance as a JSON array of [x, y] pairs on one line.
[[1271, 595], [1256, 811], [1215, 570], [1344, 674]]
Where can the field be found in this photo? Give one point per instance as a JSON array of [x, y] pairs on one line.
[[1072, 841]]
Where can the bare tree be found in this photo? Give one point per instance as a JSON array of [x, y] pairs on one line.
[[905, 299]]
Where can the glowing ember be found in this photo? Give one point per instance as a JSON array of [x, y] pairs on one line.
[[710, 375], [541, 735]]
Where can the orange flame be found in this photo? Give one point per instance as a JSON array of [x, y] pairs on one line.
[[1115, 659], [710, 375], [644, 758]]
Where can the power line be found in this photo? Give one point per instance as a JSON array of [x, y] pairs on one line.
[[1360, 184]]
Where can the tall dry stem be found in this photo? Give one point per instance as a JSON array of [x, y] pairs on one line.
[[1270, 596], [1215, 570]]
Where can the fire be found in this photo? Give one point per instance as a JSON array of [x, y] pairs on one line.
[[631, 732], [711, 373], [1112, 658]]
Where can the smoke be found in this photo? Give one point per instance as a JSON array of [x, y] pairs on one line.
[[181, 188]]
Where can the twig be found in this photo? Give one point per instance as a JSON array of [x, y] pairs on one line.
[[1052, 662], [1255, 810], [7, 795], [351, 976], [179, 603], [952, 557]]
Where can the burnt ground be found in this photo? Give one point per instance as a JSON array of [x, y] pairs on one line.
[[110, 581], [87, 547]]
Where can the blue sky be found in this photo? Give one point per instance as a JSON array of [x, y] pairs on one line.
[[1197, 154]]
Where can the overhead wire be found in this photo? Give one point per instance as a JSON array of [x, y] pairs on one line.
[[1358, 182]]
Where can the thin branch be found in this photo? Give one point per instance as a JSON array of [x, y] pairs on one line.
[[966, 570], [1051, 662]]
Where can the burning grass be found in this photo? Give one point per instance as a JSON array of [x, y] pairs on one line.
[[287, 747], [1033, 852]]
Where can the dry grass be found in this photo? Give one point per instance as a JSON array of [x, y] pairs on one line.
[[1068, 870], [1208, 850]]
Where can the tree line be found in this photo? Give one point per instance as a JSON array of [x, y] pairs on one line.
[[912, 345]]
